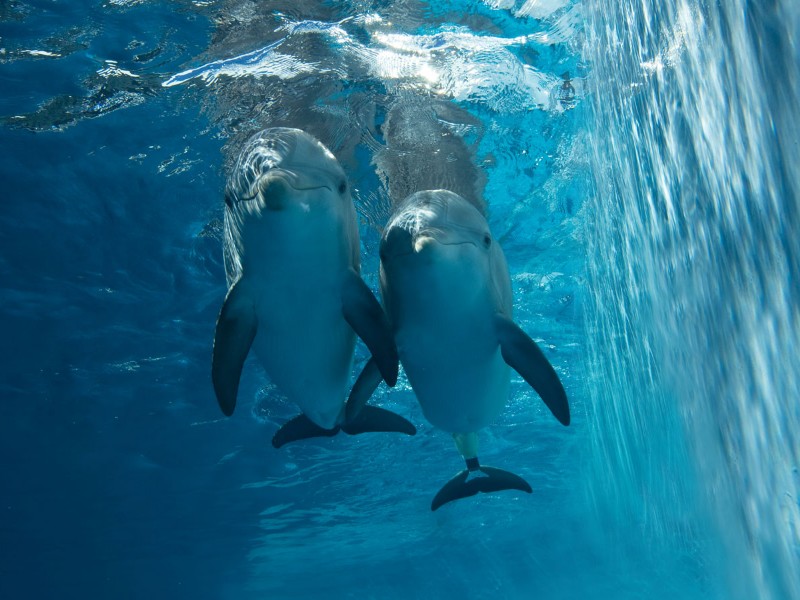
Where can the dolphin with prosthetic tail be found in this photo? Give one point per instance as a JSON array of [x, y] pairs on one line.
[[446, 289], [295, 294]]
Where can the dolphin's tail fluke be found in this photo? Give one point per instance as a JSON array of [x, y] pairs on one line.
[[373, 418], [360, 418], [300, 428], [369, 418], [489, 480]]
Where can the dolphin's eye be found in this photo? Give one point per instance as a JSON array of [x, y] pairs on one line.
[[487, 240], [342, 187]]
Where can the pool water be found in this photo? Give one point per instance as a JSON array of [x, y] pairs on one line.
[[636, 163]]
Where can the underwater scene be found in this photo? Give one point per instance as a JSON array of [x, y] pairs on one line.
[[390, 299]]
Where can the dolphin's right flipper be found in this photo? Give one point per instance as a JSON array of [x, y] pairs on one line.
[[300, 428], [365, 315], [236, 329], [523, 355], [373, 418], [462, 487], [367, 382]]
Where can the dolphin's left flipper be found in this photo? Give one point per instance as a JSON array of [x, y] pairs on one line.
[[365, 315], [300, 428], [236, 329], [462, 487], [524, 356], [367, 382], [373, 418]]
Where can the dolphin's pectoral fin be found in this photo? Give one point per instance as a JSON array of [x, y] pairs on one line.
[[373, 418], [365, 315], [524, 356], [367, 382], [236, 329], [300, 428], [461, 486]]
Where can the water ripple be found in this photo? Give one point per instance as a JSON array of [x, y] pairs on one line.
[[452, 62]]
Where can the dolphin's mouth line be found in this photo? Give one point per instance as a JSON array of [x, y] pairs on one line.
[[413, 250], [292, 180], [426, 236], [455, 243], [255, 189], [315, 187]]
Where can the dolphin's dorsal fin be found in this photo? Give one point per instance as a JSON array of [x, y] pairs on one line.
[[236, 329], [524, 356]]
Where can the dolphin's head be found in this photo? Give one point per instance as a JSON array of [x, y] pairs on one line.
[[435, 221], [437, 249], [277, 165], [286, 182]]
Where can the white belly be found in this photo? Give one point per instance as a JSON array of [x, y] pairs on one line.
[[306, 347], [449, 350], [303, 341], [460, 390]]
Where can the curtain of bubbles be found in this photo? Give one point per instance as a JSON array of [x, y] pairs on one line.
[[695, 268]]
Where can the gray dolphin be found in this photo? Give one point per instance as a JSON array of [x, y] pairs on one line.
[[447, 292], [292, 260]]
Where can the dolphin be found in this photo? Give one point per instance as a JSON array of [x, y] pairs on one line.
[[447, 292], [292, 261]]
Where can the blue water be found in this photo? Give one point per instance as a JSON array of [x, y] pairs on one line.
[[639, 172]]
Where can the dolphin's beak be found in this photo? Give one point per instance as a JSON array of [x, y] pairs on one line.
[[422, 241], [401, 242], [274, 191], [429, 238], [397, 242], [277, 186]]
